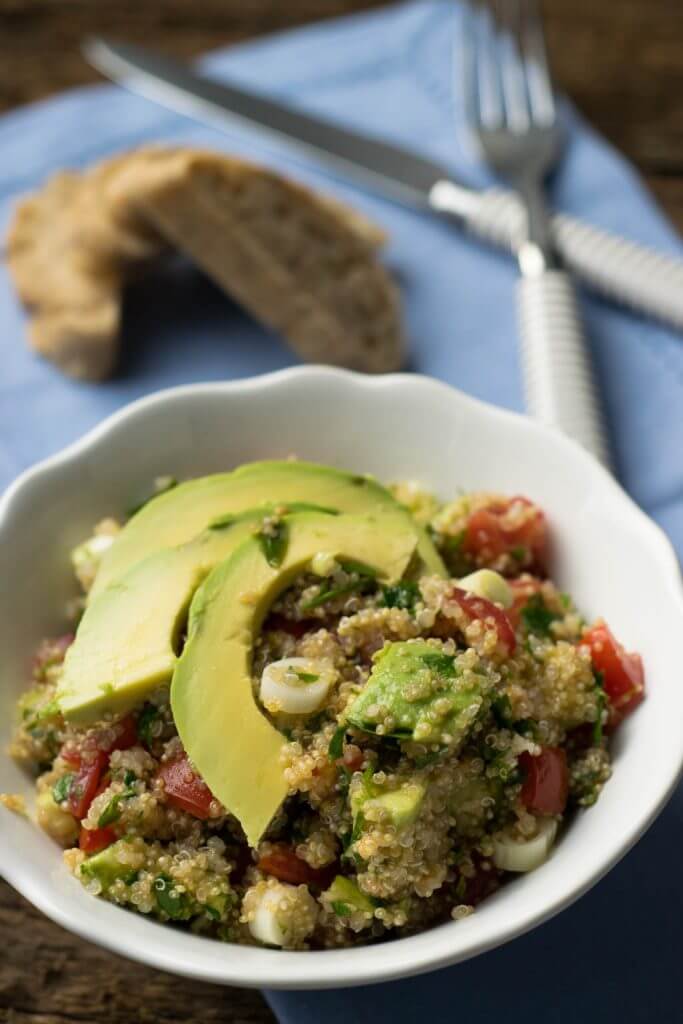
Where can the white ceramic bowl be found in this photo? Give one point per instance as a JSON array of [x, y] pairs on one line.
[[613, 559]]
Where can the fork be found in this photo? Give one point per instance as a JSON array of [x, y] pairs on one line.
[[510, 104]]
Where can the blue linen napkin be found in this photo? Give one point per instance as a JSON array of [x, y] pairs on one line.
[[613, 956]]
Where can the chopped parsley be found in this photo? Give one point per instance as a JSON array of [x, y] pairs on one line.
[[62, 787], [331, 593], [336, 747], [519, 553], [341, 909], [112, 811], [148, 715], [537, 617], [400, 595], [174, 903], [274, 543], [306, 677]]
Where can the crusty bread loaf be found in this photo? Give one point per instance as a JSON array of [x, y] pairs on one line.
[[302, 264]]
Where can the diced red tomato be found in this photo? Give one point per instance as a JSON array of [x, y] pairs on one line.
[[184, 788], [489, 533], [283, 863], [92, 840], [487, 611], [546, 783], [623, 676], [87, 780]]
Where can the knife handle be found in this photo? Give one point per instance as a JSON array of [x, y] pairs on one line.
[[632, 274]]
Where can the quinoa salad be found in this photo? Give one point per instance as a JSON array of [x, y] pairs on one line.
[[298, 709]]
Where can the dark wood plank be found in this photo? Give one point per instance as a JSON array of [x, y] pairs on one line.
[[48, 976]]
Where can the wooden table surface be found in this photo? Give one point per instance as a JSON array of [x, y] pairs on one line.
[[622, 63]]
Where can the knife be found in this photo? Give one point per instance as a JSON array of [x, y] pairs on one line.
[[626, 272]]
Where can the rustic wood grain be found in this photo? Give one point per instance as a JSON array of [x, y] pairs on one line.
[[620, 60], [48, 976]]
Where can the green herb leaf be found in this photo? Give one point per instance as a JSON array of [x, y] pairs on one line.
[[176, 904], [341, 909], [358, 826], [62, 787], [566, 600], [306, 677], [147, 717], [336, 747], [329, 595], [111, 813], [401, 595], [442, 664], [129, 777], [274, 543], [537, 617], [519, 553]]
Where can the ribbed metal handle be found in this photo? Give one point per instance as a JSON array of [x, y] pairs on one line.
[[632, 274], [558, 378]]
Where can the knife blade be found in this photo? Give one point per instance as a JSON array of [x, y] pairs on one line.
[[624, 271]]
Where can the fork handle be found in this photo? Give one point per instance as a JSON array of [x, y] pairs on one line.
[[558, 380], [632, 274]]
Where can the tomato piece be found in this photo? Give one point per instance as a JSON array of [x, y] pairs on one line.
[[185, 788], [546, 785], [71, 756], [486, 611], [491, 531], [623, 675], [283, 863], [92, 840], [85, 785]]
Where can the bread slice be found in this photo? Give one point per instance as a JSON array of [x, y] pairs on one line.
[[303, 264]]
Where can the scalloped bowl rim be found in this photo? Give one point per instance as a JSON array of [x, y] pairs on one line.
[[187, 955]]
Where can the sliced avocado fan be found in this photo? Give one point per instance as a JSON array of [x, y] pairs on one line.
[[230, 741], [126, 642], [178, 515]]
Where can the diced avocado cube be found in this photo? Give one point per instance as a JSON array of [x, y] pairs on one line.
[[416, 691], [345, 897], [402, 805], [106, 867]]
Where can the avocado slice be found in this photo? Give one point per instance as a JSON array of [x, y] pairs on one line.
[[126, 642], [426, 694], [232, 744], [180, 514]]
